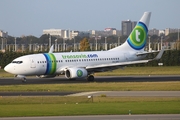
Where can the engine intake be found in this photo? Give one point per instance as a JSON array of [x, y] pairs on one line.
[[72, 73]]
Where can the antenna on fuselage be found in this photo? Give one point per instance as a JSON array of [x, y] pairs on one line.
[[51, 49]]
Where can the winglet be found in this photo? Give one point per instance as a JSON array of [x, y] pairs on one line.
[[159, 55], [51, 49]]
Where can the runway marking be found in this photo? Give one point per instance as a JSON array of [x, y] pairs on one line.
[[131, 93], [86, 93]]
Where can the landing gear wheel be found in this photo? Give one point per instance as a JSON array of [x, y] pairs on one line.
[[24, 80], [90, 78]]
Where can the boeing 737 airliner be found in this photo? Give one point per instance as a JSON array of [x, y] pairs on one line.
[[84, 64]]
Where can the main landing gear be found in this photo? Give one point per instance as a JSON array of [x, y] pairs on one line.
[[23, 80], [90, 78]]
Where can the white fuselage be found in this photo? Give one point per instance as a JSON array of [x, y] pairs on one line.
[[41, 64]]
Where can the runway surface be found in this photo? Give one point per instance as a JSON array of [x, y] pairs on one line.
[[62, 79], [99, 93], [103, 117]]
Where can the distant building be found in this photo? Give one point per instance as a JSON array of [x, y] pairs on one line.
[[170, 30], [52, 32], [153, 32], [84, 33], [66, 34], [161, 32], [127, 27], [106, 32], [109, 29], [73, 34], [3, 34], [92, 32]]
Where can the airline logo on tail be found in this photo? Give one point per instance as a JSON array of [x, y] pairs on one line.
[[137, 38]]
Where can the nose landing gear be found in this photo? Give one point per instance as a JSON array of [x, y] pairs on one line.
[[22, 77]]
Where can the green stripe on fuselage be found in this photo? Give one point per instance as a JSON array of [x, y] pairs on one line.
[[53, 63]]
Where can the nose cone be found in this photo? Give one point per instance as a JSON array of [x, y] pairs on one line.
[[7, 68]]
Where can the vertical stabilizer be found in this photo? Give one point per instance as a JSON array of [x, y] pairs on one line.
[[51, 49], [137, 39], [146, 18]]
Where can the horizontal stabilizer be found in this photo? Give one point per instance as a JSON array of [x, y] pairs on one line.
[[159, 55], [145, 52]]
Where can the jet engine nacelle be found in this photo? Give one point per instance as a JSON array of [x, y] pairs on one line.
[[46, 76], [72, 73]]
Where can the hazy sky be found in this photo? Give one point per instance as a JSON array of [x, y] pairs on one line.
[[30, 17]]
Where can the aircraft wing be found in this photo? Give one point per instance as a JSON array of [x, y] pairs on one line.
[[121, 64], [112, 66], [116, 64], [105, 67]]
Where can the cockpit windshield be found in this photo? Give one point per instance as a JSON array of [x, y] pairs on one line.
[[17, 62]]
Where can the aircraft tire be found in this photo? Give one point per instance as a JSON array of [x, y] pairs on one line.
[[90, 78], [24, 80]]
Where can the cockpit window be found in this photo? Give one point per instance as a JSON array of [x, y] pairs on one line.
[[17, 62]]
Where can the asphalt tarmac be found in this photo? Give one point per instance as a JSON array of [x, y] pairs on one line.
[[102, 117], [62, 79], [98, 93]]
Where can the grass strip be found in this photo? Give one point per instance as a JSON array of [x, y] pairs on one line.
[[79, 99], [111, 86], [82, 106]]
